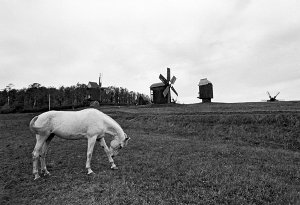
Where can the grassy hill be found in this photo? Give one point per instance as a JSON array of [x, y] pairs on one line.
[[237, 153]]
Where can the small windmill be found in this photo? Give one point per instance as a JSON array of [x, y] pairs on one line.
[[161, 92], [272, 99]]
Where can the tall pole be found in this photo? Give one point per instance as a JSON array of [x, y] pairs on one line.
[[100, 85], [49, 101]]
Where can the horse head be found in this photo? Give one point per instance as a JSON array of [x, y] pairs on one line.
[[118, 143]]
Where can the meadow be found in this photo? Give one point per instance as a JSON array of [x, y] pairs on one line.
[[242, 153]]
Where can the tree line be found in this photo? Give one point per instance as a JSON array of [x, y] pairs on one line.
[[37, 97]]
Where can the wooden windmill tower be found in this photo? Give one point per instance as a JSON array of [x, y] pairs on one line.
[[205, 90], [161, 92]]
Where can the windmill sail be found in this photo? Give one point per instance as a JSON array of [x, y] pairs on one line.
[[173, 80], [166, 91], [174, 91], [163, 79]]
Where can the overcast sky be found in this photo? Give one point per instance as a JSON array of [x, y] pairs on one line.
[[244, 47]]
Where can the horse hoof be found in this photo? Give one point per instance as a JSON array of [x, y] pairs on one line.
[[114, 168], [91, 173], [47, 174], [36, 177]]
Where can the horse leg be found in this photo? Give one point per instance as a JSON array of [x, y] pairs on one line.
[[108, 153], [36, 154], [44, 153], [91, 144]]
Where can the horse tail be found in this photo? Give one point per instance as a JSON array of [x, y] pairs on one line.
[[32, 127]]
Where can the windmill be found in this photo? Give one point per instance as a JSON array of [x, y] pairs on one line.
[[272, 99], [161, 92], [205, 90]]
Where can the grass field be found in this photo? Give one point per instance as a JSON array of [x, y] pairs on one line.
[[247, 153]]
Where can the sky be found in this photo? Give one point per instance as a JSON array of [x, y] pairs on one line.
[[244, 47]]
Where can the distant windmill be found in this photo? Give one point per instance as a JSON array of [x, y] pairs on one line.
[[272, 99], [205, 90], [161, 92]]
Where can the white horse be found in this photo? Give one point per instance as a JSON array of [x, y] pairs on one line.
[[89, 123]]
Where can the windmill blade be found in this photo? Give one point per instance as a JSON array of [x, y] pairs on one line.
[[162, 78], [268, 94], [168, 74], [173, 80], [277, 94], [166, 91], [174, 90]]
